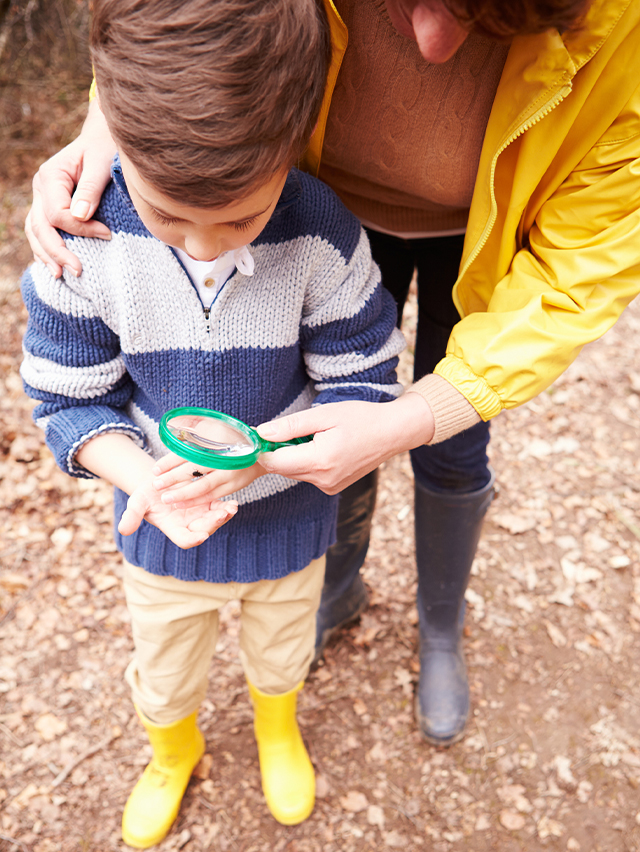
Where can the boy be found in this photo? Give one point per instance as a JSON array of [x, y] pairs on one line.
[[233, 283]]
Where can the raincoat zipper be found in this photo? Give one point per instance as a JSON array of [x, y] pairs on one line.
[[538, 116]]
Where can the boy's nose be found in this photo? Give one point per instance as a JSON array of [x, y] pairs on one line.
[[202, 247]]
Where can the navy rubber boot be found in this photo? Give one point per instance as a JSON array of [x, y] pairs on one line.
[[344, 595], [447, 529]]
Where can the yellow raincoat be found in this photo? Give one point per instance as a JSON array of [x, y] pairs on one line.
[[552, 250]]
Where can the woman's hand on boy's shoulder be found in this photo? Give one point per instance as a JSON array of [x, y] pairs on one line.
[[66, 192]]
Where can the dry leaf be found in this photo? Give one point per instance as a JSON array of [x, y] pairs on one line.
[[513, 794], [566, 542], [359, 707], [585, 788], [579, 572], [377, 754], [102, 582], [563, 596], [322, 786], [354, 802], [515, 524], [323, 674], [596, 542], [555, 634], [550, 828], [525, 603], [375, 816], [619, 562], [29, 792], [512, 820], [366, 637], [203, 769], [394, 839], [14, 582], [62, 537], [477, 603], [208, 788], [483, 823], [351, 743], [49, 727], [563, 770]]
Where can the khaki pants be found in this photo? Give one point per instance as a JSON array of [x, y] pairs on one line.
[[175, 630]]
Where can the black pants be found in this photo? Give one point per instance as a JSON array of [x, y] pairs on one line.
[[460, 463]]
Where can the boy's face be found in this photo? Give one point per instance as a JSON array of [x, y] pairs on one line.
[[203, 233]]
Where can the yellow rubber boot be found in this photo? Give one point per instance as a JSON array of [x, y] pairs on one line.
[[155, 800], [288, 779]]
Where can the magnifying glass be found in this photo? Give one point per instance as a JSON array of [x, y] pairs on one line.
[[216, 440]]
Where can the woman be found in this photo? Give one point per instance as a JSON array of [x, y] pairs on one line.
[[492, 145]]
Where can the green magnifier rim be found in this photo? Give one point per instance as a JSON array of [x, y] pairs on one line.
[[207, 457]]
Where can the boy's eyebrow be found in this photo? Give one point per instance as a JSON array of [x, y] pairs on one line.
[[178, 219]]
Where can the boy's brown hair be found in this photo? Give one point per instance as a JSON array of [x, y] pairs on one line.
[[209, 98], [504, 19]]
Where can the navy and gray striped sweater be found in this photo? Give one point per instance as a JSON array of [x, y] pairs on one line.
[[118, 347]]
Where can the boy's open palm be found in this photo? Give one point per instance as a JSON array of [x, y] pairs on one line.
[[186, 527]]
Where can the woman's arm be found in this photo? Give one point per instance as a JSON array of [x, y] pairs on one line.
[[350, 439], [66, 192]]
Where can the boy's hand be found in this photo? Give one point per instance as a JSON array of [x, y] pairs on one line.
[[181, 489], [185, 527]]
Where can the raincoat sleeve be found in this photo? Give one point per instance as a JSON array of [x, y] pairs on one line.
[[577, 269]]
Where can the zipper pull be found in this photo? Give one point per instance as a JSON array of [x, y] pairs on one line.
[[207, 311]]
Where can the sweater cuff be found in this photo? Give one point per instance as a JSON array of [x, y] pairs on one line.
[[452, 412]]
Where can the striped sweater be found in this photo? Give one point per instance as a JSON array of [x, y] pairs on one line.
[[116, 348]]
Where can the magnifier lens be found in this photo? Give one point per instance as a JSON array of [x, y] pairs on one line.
[[215, 440], [210, 434]]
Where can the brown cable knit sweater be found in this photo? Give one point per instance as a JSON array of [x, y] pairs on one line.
[[403, 142]]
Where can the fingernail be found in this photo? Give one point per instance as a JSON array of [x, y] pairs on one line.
[[52, 269], [80, 209], [72, 271]]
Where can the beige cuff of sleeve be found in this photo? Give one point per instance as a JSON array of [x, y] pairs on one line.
[[452, 412]]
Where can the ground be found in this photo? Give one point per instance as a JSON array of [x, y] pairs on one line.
[[551, 756]]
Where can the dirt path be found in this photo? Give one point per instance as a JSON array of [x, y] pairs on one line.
[[552, 754], [551, 759]]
